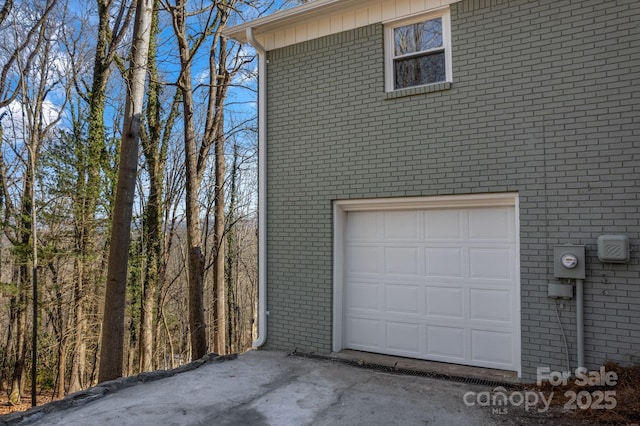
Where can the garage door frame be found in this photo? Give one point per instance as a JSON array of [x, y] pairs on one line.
[[342, 207]]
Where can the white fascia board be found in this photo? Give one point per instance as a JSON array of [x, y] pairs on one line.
[[285, 17]]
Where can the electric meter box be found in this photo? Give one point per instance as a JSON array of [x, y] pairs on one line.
[[613, 248], [559, 291], [569, 262]]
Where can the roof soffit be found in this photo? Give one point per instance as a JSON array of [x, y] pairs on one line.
[[324, 17]]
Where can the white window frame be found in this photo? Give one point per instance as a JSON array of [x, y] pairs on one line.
[[389, 28]]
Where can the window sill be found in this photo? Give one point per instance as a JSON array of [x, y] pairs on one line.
[[418, 90]]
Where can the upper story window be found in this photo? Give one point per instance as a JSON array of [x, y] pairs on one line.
[[418, 51]]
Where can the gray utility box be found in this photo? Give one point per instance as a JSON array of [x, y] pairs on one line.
[[560, 291], [613, 248], [569, 262]]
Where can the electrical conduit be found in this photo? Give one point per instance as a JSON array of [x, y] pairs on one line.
[[580, 321]]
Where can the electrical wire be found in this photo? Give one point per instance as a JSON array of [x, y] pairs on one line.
[[564, 337]]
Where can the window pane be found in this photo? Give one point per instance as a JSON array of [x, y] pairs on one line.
[[418, 71], [418, 37]]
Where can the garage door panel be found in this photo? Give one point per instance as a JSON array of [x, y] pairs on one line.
[[491, 263], [491, 224], [401, 260], [364, 333], [363, 296], [444, 262], [492, 347], [403, 336], [443, 225], [446, 342], [363, 259], [447, 302], [401, 225], [436, 284], [364, 226], [490, 305], [402, 299]]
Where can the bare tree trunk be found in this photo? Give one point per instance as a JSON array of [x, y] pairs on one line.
[[195, 275], [76, 379], [145, 350], [220, 84], [24, 284], [88, 185], [110, 34], [152, 220], [59, 323], [231, 259], [170, 341], [196, 258], [59, 390], [9, 345], [15, 394], [220, 284], [154, 145], [111, 354], [196, 162]]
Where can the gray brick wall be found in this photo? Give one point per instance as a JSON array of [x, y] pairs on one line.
[[545, 102]]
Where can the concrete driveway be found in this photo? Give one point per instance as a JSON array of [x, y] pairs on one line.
[[271, 388]]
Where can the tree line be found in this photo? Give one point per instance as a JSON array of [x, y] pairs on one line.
[[191, 273]]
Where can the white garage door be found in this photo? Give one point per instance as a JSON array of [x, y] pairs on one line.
[[435, 284]]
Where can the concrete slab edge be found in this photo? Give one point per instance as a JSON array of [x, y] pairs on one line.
[[86, 396]]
